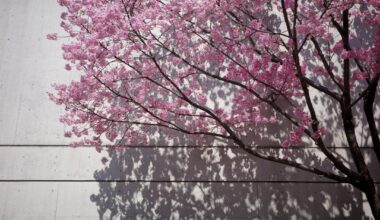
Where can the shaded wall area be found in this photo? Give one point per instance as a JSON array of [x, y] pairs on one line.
[[225, 183]]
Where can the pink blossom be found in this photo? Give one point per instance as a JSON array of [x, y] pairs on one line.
[[285, 143], [358, 75], [68, 134], [52, 36], [347, 54], [68, 67]]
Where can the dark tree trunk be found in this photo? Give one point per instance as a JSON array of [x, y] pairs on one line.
[[367, 184], [369, 188], [369, 99]]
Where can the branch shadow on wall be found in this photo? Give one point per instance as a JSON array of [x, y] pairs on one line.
[[210, 183]]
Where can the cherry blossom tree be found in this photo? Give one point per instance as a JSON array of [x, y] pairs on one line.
[[152, 64]]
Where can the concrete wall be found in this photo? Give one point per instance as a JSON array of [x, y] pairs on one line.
[[42, 178]]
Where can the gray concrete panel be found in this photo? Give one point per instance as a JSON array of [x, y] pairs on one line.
[[47, 163], [181, 201], [146, 163], [229, 201], [31, 200], [29, 64]]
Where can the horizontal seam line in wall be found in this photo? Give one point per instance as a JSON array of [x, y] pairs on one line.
[[174, 181], [151, 146]]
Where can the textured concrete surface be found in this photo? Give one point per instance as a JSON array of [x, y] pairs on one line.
[[41, 180], [29, 64]]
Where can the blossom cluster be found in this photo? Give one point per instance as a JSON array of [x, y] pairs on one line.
[[203, 67]]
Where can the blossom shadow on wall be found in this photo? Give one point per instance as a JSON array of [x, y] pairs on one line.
[[210, 183]]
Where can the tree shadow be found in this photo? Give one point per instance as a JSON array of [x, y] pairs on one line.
[[211, 183]]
